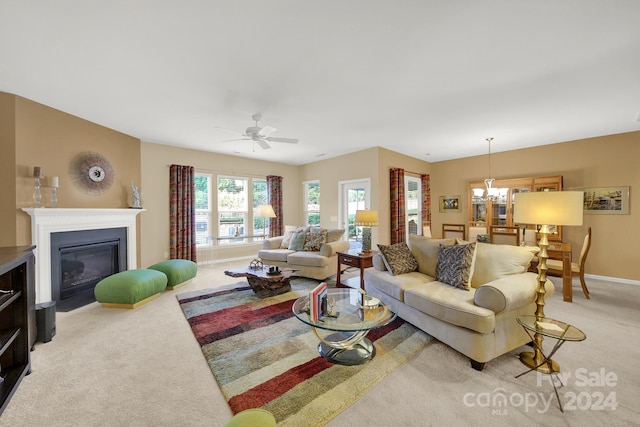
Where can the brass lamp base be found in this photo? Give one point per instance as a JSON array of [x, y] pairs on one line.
[[528, 359]]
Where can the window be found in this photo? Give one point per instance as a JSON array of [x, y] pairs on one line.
[[260, 197], [312, 202], [203, 208], [225, 213], [413, 207], [233, 207]]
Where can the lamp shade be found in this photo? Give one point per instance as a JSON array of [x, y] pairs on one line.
[[366, 218], [265, 211], [548, 207]]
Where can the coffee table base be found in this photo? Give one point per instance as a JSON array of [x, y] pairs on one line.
[[359, 353]]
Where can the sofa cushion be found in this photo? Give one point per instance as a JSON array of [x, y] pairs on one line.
[[334, 234], [394, 286], [274, 254], [314, 240], [455, 264], [497, 261], [307, 259], [450, 305], [297, 240], [398, 258], [425, 250]]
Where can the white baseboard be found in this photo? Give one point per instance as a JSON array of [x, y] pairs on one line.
[[613, 279], [220, 261]]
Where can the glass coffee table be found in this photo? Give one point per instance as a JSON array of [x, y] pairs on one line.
[[342, 330]]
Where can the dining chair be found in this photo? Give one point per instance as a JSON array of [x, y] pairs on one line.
[[453, 230], [554, 267], [504, 235]]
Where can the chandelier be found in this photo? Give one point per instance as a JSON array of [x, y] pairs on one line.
[[489, 193]]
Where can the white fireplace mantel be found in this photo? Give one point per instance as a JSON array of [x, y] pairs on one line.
[[45, 221]]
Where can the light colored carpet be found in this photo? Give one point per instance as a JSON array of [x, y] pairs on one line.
[[143, 367], [264, 357]]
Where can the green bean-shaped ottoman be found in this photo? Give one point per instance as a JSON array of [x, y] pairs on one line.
[[178, 271], [130, 289]]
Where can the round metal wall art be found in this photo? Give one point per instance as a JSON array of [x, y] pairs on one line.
[[92, 173]]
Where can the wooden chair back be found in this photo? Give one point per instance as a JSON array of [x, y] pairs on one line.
[[451, 231], [504, 235]]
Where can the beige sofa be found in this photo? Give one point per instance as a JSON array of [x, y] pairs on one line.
[[479, 322], [316, 258]]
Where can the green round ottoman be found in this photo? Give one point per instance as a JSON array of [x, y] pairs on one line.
[[130, 289], [178, 271], [252, 418]]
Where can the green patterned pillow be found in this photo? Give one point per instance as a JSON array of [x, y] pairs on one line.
[[455, 265], [398, 258], [314, 240]]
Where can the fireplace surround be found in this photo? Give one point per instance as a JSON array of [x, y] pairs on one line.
[[45, 221]]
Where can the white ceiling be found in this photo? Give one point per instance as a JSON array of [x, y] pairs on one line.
[[428, 78]]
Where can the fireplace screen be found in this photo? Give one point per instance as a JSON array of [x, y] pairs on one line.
[[83, 267], [80, 259]]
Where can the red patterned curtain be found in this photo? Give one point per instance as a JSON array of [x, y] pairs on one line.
[[274, 190], [396, 190], [426, 199], [182, 213]]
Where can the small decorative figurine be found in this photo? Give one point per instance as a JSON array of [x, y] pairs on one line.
[[136, 196]]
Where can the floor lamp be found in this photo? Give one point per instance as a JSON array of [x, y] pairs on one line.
[[366, 220], [264, 212], [545, 208]]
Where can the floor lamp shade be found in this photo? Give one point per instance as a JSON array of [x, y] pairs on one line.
[[548, 207], [366, 219], [265, 211]]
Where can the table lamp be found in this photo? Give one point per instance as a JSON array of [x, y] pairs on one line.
[[366, 219], [264, 212], [545, 208]]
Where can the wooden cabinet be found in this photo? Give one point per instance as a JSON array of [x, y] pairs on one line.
[[17, 311], [484, 213]]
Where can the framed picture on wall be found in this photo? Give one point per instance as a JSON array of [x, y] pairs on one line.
[[450, 204], [606, 200]]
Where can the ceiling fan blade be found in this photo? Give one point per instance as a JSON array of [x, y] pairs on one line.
[[237, 139], [288, 140], [267, 130], [228, 130], [263, 144]]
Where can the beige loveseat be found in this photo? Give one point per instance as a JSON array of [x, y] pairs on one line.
[[311, 251], [479, 322]]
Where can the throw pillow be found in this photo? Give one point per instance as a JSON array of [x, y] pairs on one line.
[[454, 265], [398, 258], [297, 240], [314, 240], [286, 238], [334, 234]]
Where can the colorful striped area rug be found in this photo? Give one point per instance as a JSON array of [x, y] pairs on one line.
[[262, 356]]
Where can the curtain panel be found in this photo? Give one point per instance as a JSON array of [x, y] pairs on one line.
[[182, 213], [426, 199], [397, 205], [274, 190]]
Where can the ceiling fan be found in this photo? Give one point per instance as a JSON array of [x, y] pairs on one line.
[[258, 134]]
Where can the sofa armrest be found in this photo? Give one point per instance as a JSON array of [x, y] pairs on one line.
[[272, 242], [509, 292], [332, 248]]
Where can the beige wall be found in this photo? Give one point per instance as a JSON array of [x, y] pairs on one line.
[[32, 134], [7, 169], [594, 162], [51, 139], [156, 160], [372, 164]]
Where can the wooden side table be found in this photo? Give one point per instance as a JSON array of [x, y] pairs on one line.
[[356, 259]]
